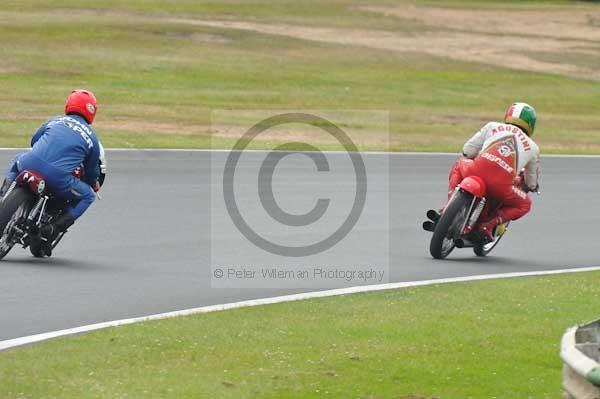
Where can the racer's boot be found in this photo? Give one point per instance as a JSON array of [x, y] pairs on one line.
[[39, 249], [490, 228], [50, 232]]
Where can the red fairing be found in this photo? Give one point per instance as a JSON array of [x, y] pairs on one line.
[[34, 180], [474, 185]]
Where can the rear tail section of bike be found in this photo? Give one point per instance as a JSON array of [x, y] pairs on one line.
[[26, 207]]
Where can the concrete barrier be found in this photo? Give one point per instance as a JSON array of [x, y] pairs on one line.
[[580, 352]]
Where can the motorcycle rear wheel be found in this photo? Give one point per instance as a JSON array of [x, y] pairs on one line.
[[446, 229], [484, 249], [15, 205]]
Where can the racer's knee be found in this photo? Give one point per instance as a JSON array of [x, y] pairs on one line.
[[83, 204], [523, 202], [460, 170], [517, 207], [82, 197], [13, 170], [455, 177]]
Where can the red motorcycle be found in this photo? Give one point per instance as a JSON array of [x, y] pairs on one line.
[[458, 225]]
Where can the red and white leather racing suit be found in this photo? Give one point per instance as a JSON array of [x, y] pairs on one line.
[[496, 154]]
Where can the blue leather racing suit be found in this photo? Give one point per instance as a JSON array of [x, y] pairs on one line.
[[59, 146]]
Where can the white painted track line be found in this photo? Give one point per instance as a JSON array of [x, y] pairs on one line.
[[16, 342]]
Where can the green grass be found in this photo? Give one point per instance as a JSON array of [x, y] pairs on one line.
[[490, 339], [148, 71]]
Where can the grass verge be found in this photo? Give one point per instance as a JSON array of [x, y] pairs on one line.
[[489, 339], [158, 75]]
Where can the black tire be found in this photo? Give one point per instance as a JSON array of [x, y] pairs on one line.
[[442, 242], [8, 208]]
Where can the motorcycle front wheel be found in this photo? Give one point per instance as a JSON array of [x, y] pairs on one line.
[[447, 228]]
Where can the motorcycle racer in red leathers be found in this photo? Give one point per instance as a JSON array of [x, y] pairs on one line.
[[497, 153]]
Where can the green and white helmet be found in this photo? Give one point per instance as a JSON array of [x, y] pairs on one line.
[[522, 115]]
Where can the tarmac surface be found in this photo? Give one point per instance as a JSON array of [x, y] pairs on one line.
[[145, 247]]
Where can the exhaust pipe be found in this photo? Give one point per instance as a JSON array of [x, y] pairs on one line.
[[433, 215], [428, 225]]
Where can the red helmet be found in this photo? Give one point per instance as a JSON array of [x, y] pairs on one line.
[[82, 102]]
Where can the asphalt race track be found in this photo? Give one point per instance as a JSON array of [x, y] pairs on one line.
[[143, 248]]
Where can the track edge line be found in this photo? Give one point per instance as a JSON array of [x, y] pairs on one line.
[[30, 339]]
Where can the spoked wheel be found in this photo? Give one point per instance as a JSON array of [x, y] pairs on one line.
[[484, 249], [14, 207], [447, 228]]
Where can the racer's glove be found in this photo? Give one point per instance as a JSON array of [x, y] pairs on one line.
[[536, 189], [519, 182]]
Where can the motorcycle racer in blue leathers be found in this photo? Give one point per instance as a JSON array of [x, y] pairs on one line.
[[58, 148]]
